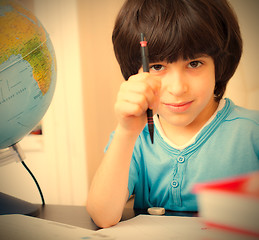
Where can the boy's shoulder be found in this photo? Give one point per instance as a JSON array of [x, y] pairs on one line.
[[238, 112]]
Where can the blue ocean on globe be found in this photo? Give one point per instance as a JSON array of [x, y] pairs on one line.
[[27, 72]]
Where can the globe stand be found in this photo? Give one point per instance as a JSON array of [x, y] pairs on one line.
[[9, 204], [12, 205]]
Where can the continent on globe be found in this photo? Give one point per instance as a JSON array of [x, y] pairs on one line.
[[27, 72]]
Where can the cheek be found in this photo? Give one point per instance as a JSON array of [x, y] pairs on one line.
[[207, 84], [211, 83], [211, 77]]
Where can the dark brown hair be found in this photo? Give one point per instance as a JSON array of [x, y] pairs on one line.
[[179, 29]]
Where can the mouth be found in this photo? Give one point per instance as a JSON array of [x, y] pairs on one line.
[[178, 107]]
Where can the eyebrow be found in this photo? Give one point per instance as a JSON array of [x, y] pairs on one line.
[[200, 55], [196, 56]]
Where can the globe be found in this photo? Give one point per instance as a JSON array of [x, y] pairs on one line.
[[27, 72]]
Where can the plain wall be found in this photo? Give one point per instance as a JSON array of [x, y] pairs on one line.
[[100, 75]]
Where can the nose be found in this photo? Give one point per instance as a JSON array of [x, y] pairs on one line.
[[175, 83]]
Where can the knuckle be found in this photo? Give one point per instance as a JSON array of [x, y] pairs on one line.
[[145, 88], [142, 101], [123, 86], [138, 110]]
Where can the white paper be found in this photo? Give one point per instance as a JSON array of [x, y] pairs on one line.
[[21, 227], [149, 227]]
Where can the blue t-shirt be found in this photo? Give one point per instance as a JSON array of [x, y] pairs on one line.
[[162, 176]]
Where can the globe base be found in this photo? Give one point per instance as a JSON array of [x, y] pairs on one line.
[[12, 205]]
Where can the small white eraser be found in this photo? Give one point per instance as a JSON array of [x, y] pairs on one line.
[[156, 211]]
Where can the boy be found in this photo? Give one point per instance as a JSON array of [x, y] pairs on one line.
[[194, 49]]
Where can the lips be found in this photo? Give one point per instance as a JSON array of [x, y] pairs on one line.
[[178, 107]]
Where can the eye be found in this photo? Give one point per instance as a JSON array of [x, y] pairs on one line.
[[194, 64], [157, 67]]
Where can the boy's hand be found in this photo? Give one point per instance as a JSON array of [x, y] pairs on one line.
[[135, 96]]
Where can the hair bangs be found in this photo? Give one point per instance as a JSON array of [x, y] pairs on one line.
[[182, 35]]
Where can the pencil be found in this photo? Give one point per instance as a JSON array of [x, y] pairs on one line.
[[145, 63]]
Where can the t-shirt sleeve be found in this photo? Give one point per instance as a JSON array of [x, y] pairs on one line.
[[133, 175]]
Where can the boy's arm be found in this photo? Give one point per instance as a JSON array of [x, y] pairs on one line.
[[109, 190]]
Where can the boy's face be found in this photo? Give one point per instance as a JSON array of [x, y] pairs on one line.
[[187, 92]]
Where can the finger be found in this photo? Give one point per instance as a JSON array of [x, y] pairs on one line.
[[153, 81], [137, 92], [149, 89], [134, 98], [127, 109]]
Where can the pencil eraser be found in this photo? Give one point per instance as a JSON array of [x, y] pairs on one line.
[[156, 211]]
